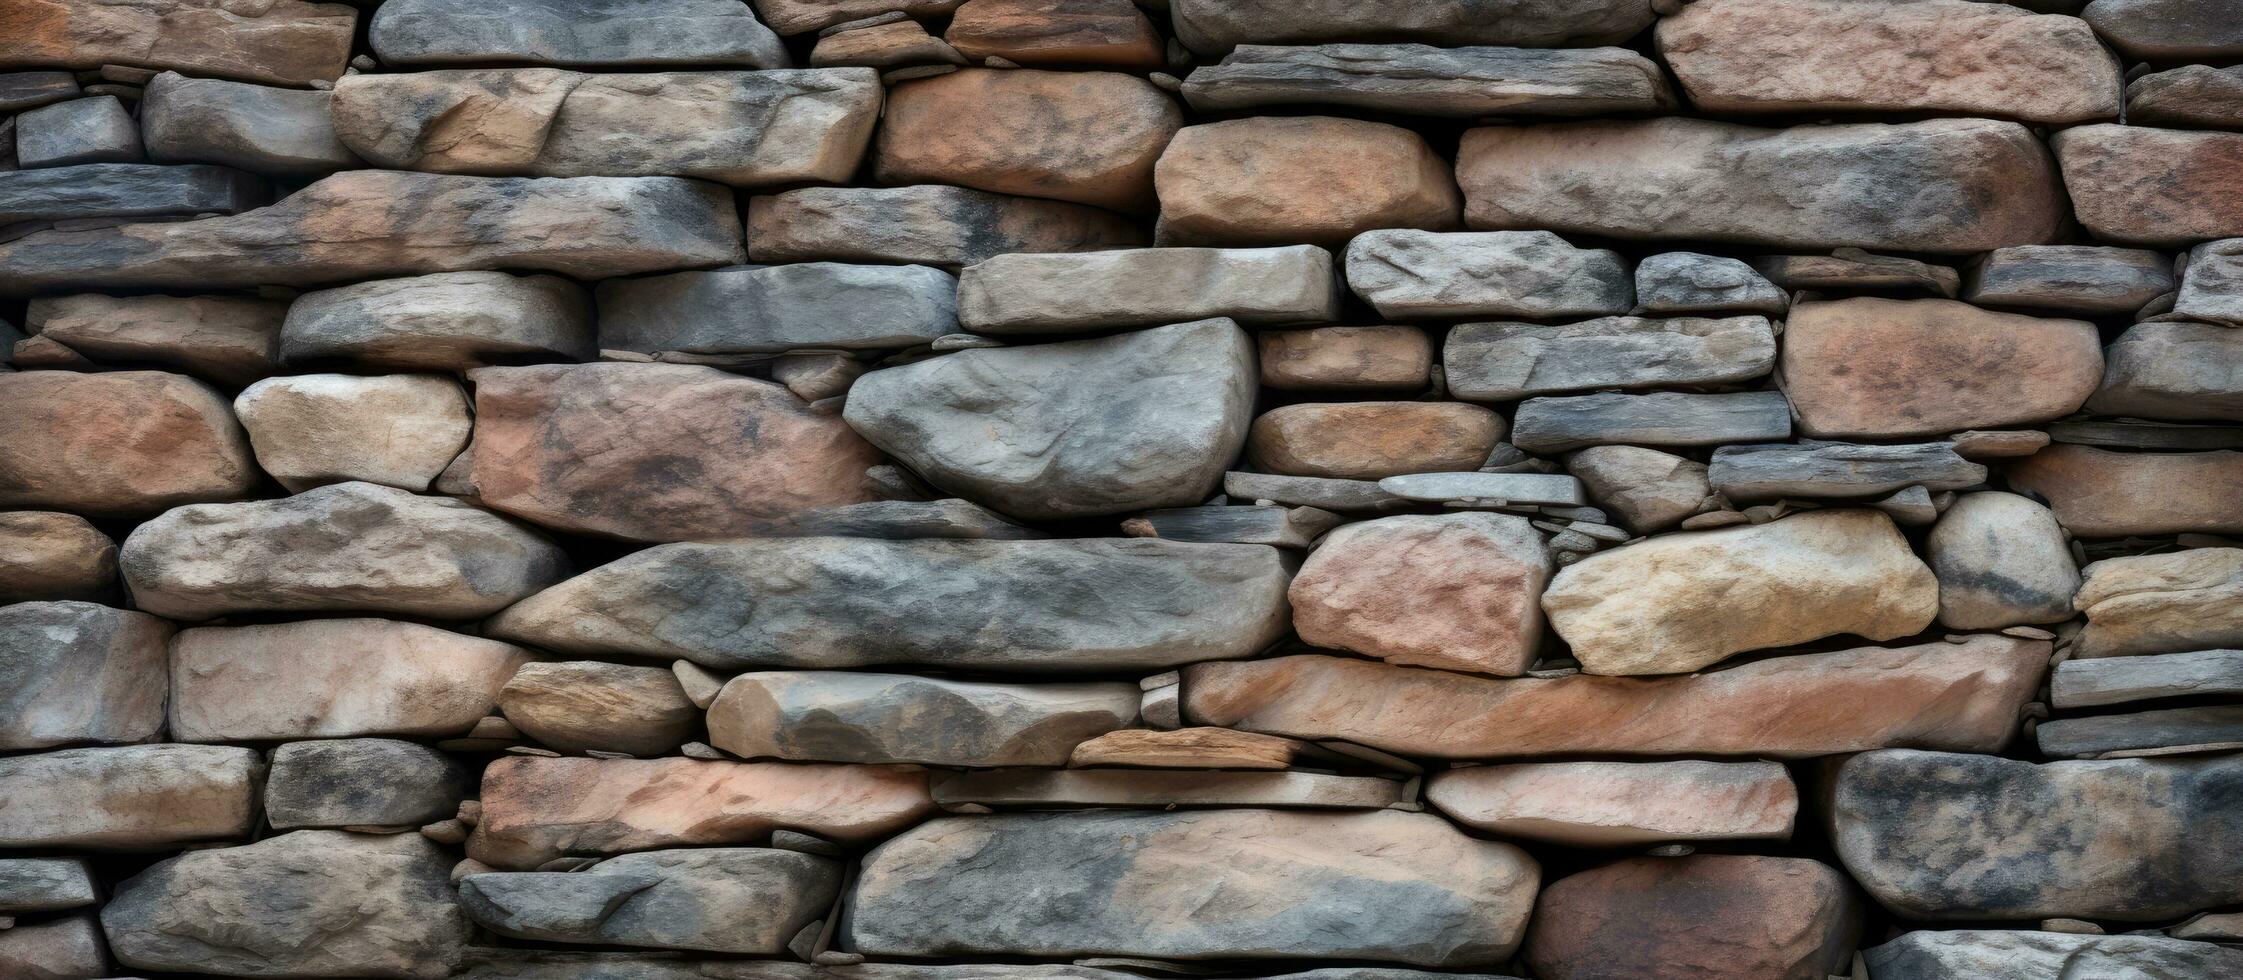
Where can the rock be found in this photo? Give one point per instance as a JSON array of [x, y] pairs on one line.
[[1408, 273], [574, 34], [1310, 491], [1989, 954], [817, 377], [1705, 915], [574, 707], [308, 903], [2102, 494], [1511, 488], [896, 520], [1088, 137], [1620, 804], [1882, 368], [653, 452], [1649, 490], [1552, 425], [2133, 434], [2142, 732], [95, 130], [1370, 440], [835, 716], [31, 89], [2212, 286], [1089, 427], [2182, 371], [1455, 591], [45, 884], [1835, 469], [449, 321], [74, 672], [885, 44], [126, 191], [366, 224], [726, 900], [228, 340], [363, 782], [1139, 788], [1963, 697], [1418, 79], [1752, 56], [756, 128], [1387, 886], [398, 430], [1997, 444], [2001, 560], [285, 42], [1214, 26], [761, 309], [1316, 179], [2187, 96], [2118, 680], [1044, 294], [1689, 282], [346, 546], [1188, 748], [538, 809], [925, 224], [1345, 358], [2167, 30], [134, 798], [2085, 279], [1939, 836], [1099, 604], [1941, 185], [255, 127], [2137, 185], [343, 678], [65, 947], [2165, 603], [122, 444], [1510, 361], [1853, 270], [792, 17], [1058, 33], [48, 555]]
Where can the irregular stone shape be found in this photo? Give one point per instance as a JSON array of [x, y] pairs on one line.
[[126, 191], [924, 224], [254, 127], [1418, 79], [1836, 469], [340, 547], [2141, 186], [31, 89], [2187, 96], [535, 809], [121, 444], [1749, 56], [1285, 527], [2177, 30], [1647, 489], [1557, 424], [1058, 33], [2165, 603], [1088, 137], [1188, 748], [575, 707], [835, 716], [363, 782], [1407, 273], [308, 903], [77, 672], [2118, 680], [1508, 361], [367, 224], [2182, 371], [45, 884], [398, 430], [1078, 788], [2101, 494], [47, 555], [1688, 282], [67, 947], [1703, 915], [2212, 286], [1105, 426], [2088, 279], [1513, 488], [757, 309], [95, 130], [792, 17], [1401, 887], [2001, 560], [725, 900], [342, 677], [1683, 601], [574, 33], [1042, 294], [1311, 178], [1989, 954], [2136, 434], [1310, 491], [896, 520], [1853, 270], [449, 321], [1456, 591], [1370, 440], [1097, 604], [1883, 368], [230, 340], [1963, 697], [1345, 358], [744, 128], [286, 42], [1621, 804], [882, 44], [1940, 836], [2142, 732], [1941, 185], [134, 798], [1214, 26]]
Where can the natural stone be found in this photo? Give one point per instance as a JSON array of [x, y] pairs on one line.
[[1649, 490], [2187, 96], [896, 520], [726, 900], [2097, 493], [64, 947], [1997, 443], [2162, 603], [1058, 33], [834, 716], [574, 707], [2137, 185], [1882, 368], [48, 555], [254, 127], [1088, 137], [1310, 491], [228, 340], [398, 430], [1456, 591], [924, 224], [1316, 179], [2212, 285], [363, 782], [1705, 915], [1345, 358], [126, 191], [121, 444], [45, 884], [2145, 732], [1835, 469], [1419, 79], [2182, 371], [95, 130], [1407, 273], [1510, 361], [1155, 789], [449, 321], [2007, 954], [1285, 527], [330, 678], [1688, 282], [2167, 30], [899, 43], [285, 42], [133, 798], [753, 309], [1214, 26], [1370, 440], [1510, 488], [800, 16], [2001, 560], [1041, 294], [1621, 804], [31, 89], [1188, 748], [74, 672], [2117, 680], [574, 33], [1558, 424], [2086, 279], [1853, 270]]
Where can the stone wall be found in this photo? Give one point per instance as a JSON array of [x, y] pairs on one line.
[[1006, 489]]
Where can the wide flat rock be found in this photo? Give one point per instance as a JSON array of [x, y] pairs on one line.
[[1882, 368], [1509, 361], [127, 191], [1316, 179], [1702, 915], [45, 884], [1377, 358], [2187, 96], [73, 672], [1372, 440], [2097, 493], [2135, 185], [1141, 287], [1692, 282], [1087, 137], [280, 131], [445, 321], [1413, 273], [2180, 371], [2005, 954], [332, 678], [120, 444], [721, 900], [1423, 80], [1158, 789], [1214, 26], [363, 782], [227, 340], [924, 224], [591, 705], [2184, 30], [1456, 591], [1188, 748], [1553, 424], [1620, 804], [575, 33], [1769, 471], [131, 798], [2162, 603], [2147, 732], [286, 42], [2118, 680], [2079, 279], [843, 716]]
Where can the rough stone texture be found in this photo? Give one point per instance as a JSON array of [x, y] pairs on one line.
[[897, 520], [1088, 137], [254, 127], [95, 130], [2190, 95], [362, 782], [2166, 603], [2118, 680], [2136, 185], [1558, 424], [835, 716], [1510, 361], [342, 677], [46, 555], [2070, 278], [2212, 284], [60, 948], [285, 42], [398, 430], [1370, 440], [1138, 789], [799, 16], [726, 900], [2168, 29], [1456, 591], [2179, 371], [75, 672], [1835, 469], [1188, 748], [449, 321], [1620, 804], [1058, 33], [924, 224], [1988, 954], [1214, 26], [124, 191], [1689, 282], [585, 705], [574, 33], [1647, 489], [1314, 179], [1419, 79], [2142, 732], [135, 798], [2097, 493], [883, 43], [1704, 915], [1851, 269], [228, 340], [1380, 886], [1881, 368], [2002, 560], [1037, 294], [1345, 358], [45, 884], [31, 89], [124, 444], [1407, 273]]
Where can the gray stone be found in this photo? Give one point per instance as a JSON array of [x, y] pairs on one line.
[[67, 947], [1649, 490], [2191, 95], [924, 224], [1419, 79], [1285, 527], [22, 90], [2168, 30], [1510, 361], [1154, 788], [95, 130], [1689, 282], [345, 677], [2145, 435], [723, 900], [1214, 26], [74, 672], [450, 321], [1989, 954], [836, 716], [761, 309], [230, 340], [895, 520], [2170, 728], [2179, 371], [1024, 293], [2002, 560], [363, 782], [1408, 273], [2102, 681], [575, 33], [126, 190], [254, 127], [1089, 427], [1853, 270], [593, 706], [281, 42], [2088, 279], [2212, 284], [45, 884], [134, 798], [1545, 425], [1310, 491], [1516, 488], [1836, 469]]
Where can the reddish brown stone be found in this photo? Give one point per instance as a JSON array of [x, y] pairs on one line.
[[278, 42], [118, 445], [2145, 186], [1187, 748], [1058, 33], [1883, 368], [1091, 137], [1725, 916], [2097, 493], [1373, 440], [1619, 804], [1345, 358], [1281, 180], [1455, 591], [891, 45]]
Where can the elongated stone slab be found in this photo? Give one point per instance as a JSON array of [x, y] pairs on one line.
[[132, 798], [1517, 488], [2168, 30], [255, 127], [895, 520], [127, 190], [1189, 748], [1835, 469], [1091, 137], [2085, 279], [1558, 424], [326, 678], [2118, 680], [1405, 272], [287, 42], [841, 716], [1059, 293], [924, 224], [229, 340], [1509, 361], [80, 672], [118, 444], [2162, 603], [1422, 80], [1070, 788], [2165, 728], [1310, 491], [448, 321], [1284, 527], [2183, 371], [1621, 804], [722, 900], [1214, 26], [1883, 368], [2136, 185], [574, 33], [45, 884], [2097, 493], [2007, 954]]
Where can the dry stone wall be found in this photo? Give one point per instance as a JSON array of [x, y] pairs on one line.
[[1109, 490]]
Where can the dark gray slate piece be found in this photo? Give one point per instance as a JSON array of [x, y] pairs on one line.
[[449, 321], [1547, 425], [45, 884], [2070, 278], [1690, 282], [1836, 469], [896, 520], [92, 130], [2168, 30], [2219, 724], [1214, 26], [261, 128], [20, 90], [760, 309], [2117, 680], [363, 782], [575, 33], [719, 899], [1508, 361], [126, 190], [1420, 79]]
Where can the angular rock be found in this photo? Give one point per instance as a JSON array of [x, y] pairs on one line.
[[2086, 279], [2188, 96], [1138, 788], [135, 798], [1408, 273], [31, 89], [759, 309], [45, 884], [1989, 954], [725, 900], [2001, 560], [884, 44], [1039, 294], [587, 705], [398, 430], [229, 340], [126, 191], [1088, 137], [1558, 424], [574, 33], [1401, 887], [66, 947], [333, 678], [2212, 285], [1089, 427], [925, 224], [1455, 591], [1513, 488], [1285, 527], [2141, 186], [1214, 26], [2164, 603], [286, 42], [2162, 30], [1058, 33], [255, 127], [2149, 732], [896, 520], [835, 716], [1310, 491], [1101, 604], [124, 444], [1188, 748], [1836, 469], [1853, 270], [2181, 371], [2101, 494], [2118, 680], [1370, 440], [792, 17], [1510, 361], [1418, 79], [1345, 358], [1704, 915], [1882, 368], [1688, 282], [1621, 804], [363, 782], [73, 672], [1647, 489], [95, 130], [47, 555], [1315, 179], [449, 321]]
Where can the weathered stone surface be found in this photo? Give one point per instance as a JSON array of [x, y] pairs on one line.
[[126, 191], [2190, 95], [1836, 469], [329, 678], [1139, 788], [254, 127], [230, 340], [1962, 697], [1409, 273], [1310, 491], [535, 810], [2101, 494], [726, 900], [47, 555], [1941, 836], [588, 705], [1398, 887], [1214, 26], [95, 130], [2070, 278], [574, 33], [449, 321], [835, 716], [1510, 361], [2212, 285], [1941, 185], [1058, 33], [22, 90], [884, 44], [1419, 79], [123, 444], [366, 224], [924, 224], [2182, 371], [1188, 748], [2139, 434], [1647, 489], [66, 947], [1285, 527], [1888, 368], [792, 17], [1370, 440], [753, 309], [2001, 560], [45, 884], [1621, 804], [1345, 358], [398, 430], [2181, 30], [2164, 603], [1988, 954], [1689, 282], [1088, 137], [287, 42], [896, 520], [363, 782], [308, 903], [1034, 294], [1514, 488], [74, 672], [1456, 591], [1105, 426], [135, 798], [1557, 424], [1315, 179], [339, 547], [1853, 270], [2118, 680], [1704, 915], [2142, 186], [2147, 732]]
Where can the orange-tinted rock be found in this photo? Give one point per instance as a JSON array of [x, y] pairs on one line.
[[1090, 137], [1272, 180], [333, 678], [1455, 591], [1187, 748], [2144, 186], [2165, 603], [1058, 33], [1711, 916], [1883, 368], [2097, 493], [48, 555], [279, 42], [1372, 440], [125, 444], [895, 44], [800, 16], [1621, 804], [1345, 358]]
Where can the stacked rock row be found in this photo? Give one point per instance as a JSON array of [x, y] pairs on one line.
[[1331, 489]]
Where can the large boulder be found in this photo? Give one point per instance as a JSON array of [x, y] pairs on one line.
[[284, 42], [1279, 180], [2163, 603], [2143, 186], [131, 798], [1620, 804], [924, 224], [122, 444], [721, 900], [363, 782], [769, 309], [839, 716], [227, 340], [1508, 361], [1422, 80], [1372, 440], [1701, 916], [447, 321], [327, 678], [1142, 287], [575, 33], [398, 430], [1457, 591], [255, 127], [1883, 368], [1214, 26], [2019, 954], [2001, 560], [594, 706], [2181, 371], [1088, 137], [74, 672], [49, 555], [2097, 493]]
